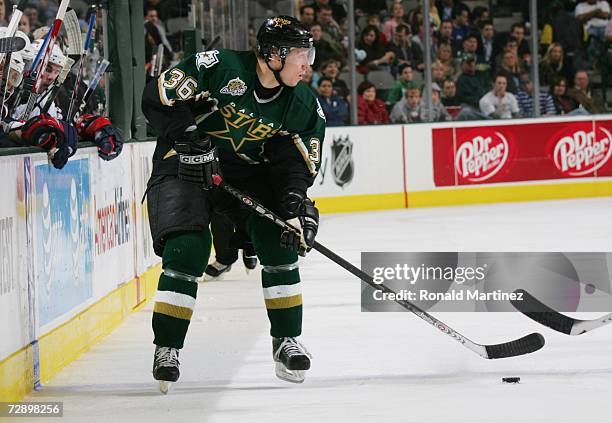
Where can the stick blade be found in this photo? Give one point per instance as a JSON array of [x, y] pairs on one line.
[[533, 308], [525, 345]]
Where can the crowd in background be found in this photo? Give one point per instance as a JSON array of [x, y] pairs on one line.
[[477, 71]]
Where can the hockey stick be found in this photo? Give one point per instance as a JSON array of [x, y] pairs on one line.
[[92, 22], [11, 44], [536, 310], [93, 84], [40, 62], [212, 43], [73, 33], [6, 59], [521, 346]]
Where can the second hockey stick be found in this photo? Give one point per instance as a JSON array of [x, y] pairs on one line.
[[525, 345], [536, 310]]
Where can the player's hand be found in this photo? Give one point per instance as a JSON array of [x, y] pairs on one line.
[[100, 131], [307, 224], [59, 139], [198, 159]]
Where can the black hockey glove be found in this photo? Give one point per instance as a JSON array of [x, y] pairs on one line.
[[198, 159], [306, 220]]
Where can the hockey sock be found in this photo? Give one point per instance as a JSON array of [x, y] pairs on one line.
[[280, 279], [184, 259]]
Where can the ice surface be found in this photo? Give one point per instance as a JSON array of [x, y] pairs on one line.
[[367, 367]]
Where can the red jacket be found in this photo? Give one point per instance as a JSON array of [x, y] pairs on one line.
[[371, 112]]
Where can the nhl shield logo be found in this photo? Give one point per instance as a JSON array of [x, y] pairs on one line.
[[342, 164]]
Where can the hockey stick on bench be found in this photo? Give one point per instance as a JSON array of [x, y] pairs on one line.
[[533, 308], [521, 346]]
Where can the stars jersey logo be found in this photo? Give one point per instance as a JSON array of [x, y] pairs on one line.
[[208, 59], [235, 87], [241, 126]]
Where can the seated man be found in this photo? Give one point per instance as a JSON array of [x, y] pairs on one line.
[[498, 103]]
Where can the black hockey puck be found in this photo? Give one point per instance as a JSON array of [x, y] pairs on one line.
[[511, 379]]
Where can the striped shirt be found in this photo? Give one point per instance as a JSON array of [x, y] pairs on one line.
[[526, 104]]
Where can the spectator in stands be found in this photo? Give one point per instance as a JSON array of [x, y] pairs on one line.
[[471, 86], [461, 26], [566, 30], [338, 11], [445, 34], [594, 15], [31, 12], [552, 65], [480, 14], [484, 52], [336, 109], [374, 20], [449, 94], [308, 79], [324, 50], [510, 68], [397, 18], [24, 26], [370, 110], [403, 83], [331, 69], [523, 51], [377, 57], [448, 9], [526, 100], [438, 110], [470, 46], [499, 103], [152, 16], [409, 108], [563, 103], [405, 51], [437, 73], [511, 44], [583, 94], [332, 32], [307, 14], [445, 57]]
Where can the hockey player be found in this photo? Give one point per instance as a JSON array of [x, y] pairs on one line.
[[92, 128], [265, 132]]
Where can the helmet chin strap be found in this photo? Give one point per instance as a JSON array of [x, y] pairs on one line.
[[276, 73]]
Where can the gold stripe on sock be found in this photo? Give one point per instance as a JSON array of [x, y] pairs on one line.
[[285, 302], [177, 312]]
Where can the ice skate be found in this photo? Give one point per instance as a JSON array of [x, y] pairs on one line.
[[166, 367], [292, 359], [216, 271], [249, 258]]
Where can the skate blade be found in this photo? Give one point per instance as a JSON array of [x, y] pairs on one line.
[[293, 376], [164, 386]]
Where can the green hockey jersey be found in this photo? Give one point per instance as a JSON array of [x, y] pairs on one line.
[[218, 87]]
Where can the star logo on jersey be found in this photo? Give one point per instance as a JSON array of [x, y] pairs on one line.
[[242, 126], [208, 59], [235, 87]]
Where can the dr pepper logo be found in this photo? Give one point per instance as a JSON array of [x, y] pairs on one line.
[[580, 150], [482, 155]]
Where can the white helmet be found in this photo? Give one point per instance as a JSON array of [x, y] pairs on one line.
[[57, 57], [17, 62]]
